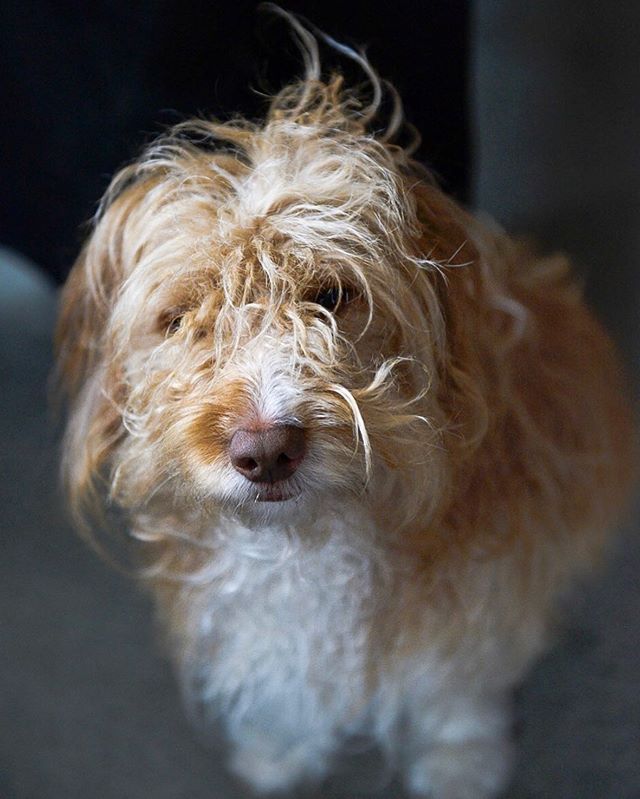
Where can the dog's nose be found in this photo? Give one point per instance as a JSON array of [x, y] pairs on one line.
[[269, 455]]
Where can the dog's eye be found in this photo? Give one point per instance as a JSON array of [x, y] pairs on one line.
[[170, 321], [333, 297]]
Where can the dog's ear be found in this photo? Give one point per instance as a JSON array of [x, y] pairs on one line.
[[84, 305], [92, 286], [444, 227], [446, 237], [87, 373]]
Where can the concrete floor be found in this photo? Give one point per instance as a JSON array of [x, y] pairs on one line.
[[88, 706]]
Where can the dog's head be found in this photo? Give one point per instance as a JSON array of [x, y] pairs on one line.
[[269, 318]]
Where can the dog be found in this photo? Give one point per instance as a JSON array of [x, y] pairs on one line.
[[364, 443]]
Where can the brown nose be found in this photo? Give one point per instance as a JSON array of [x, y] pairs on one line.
[[266, 456]]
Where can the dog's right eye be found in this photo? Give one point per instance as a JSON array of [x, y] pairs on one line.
[[333, 297]]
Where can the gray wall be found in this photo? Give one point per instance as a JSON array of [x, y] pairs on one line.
[[556, 96]]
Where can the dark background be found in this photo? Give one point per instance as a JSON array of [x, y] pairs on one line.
[[85, 84]]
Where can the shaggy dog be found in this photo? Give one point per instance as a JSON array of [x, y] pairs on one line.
[[365, 442]]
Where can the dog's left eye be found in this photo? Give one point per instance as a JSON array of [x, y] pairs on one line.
[[174, 325], [333, 297], [170, 321]]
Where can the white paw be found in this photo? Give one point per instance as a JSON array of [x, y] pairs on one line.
[[467, 770], [268, 772]]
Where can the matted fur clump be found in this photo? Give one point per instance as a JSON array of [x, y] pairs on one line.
[[364, 441]]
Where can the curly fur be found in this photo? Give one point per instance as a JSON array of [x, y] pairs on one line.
[[468, 438]]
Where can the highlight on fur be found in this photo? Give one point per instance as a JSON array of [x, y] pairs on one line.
[[467, 438]]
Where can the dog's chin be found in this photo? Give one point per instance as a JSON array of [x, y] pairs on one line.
[[288, 504], [292, 501], [267, 503]]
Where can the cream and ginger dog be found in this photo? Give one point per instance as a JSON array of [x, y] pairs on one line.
[[363, 441]]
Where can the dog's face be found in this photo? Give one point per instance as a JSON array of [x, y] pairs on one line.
[[260, 328]]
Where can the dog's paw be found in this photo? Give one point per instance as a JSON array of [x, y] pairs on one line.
[[268, 772], [466, 770]]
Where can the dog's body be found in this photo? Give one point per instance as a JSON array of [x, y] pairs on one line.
[[315, 643], [365, 441]]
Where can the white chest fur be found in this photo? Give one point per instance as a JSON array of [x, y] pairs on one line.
[[281, 642], [279, 625]]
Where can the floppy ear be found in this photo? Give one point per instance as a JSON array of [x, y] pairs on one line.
[[92, 286], [87, 376], [446, 231], [84, 306]]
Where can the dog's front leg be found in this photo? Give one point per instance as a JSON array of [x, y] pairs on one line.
[[271, 763], [458, 748]]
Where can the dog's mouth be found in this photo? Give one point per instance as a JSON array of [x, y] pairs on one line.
[[273, 492]]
